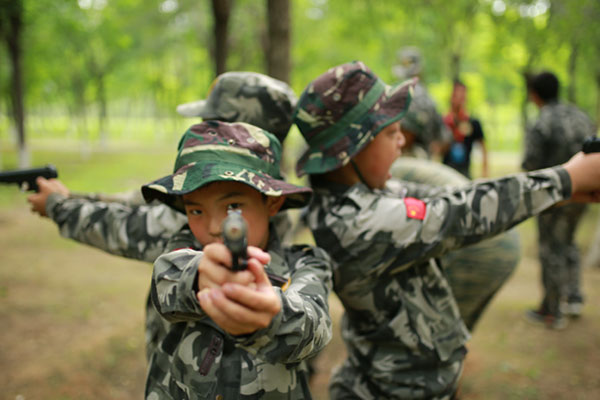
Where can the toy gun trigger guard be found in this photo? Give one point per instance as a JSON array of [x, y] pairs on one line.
[[591, 145], [235, 237]]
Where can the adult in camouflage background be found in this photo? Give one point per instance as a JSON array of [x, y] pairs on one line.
[[558, 133]]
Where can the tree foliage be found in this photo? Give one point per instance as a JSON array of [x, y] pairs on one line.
[[97, 59]]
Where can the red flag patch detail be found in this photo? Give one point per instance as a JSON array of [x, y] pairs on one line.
[[415, 208]]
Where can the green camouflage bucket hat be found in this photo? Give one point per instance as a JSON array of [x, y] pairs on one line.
[[249, 97], [218, 151], [341, 111]]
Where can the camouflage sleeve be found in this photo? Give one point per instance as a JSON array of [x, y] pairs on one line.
[[534, 156], [419, 229], [303, 326], [138, 232], [414, 189], [173, 288], [130, 198]]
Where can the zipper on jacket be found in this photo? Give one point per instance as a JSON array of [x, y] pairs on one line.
[[211, 354]]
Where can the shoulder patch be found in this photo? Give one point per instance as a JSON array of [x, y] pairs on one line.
[[415, 208]]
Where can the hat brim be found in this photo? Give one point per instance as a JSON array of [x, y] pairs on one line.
[[391, 106], [188, 178], [197, 108]]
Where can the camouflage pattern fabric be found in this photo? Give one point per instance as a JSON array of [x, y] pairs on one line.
[[476, 272], [424, 121], [558, 133], [248, 97], [592, 258], [559, 256], [350, 90], [128, 198], [219, 151], [197, 360], [136, 232], [402, 327]]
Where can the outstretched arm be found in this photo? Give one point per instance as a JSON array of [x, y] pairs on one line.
[[138, 232]]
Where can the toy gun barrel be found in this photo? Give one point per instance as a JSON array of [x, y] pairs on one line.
[[25, 178], [591, 145], [235, 237]]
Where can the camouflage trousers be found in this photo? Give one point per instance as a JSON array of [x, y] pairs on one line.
[[592, 258], [559, 256], [478, 271]]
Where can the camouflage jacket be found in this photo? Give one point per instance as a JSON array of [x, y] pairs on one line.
[[557, 135], [197, 360], [123, 227], [140, 232], [402, 327]]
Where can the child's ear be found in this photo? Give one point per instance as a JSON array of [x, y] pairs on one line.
[[274, 204]]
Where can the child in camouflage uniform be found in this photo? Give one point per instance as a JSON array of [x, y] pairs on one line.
[[124, 225], [232, 335], [402, 328]]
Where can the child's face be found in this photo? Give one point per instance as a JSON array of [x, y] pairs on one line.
[[207, 207], [375, 160]]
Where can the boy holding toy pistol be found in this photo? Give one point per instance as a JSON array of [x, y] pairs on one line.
[[404, 335], [234, 334]]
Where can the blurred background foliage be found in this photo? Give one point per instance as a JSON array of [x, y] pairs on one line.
[[100, 73]]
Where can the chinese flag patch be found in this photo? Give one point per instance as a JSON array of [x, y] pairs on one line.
[[415, 208]]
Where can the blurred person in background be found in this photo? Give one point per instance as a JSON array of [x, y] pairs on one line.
[[466, 131], [558, 133], [423, 126]]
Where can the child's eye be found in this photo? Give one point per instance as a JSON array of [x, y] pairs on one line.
[[194, 212], [234, 206]]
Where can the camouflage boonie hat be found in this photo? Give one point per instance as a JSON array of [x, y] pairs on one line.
[[249, 97], [219, 151], [341, 111], [410, 63]]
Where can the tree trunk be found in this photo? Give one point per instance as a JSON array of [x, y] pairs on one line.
[[455, 66], [598, 96], [278, 41], [524, 73], [13, 35], [572, 73], [221, 11], [102, 113]]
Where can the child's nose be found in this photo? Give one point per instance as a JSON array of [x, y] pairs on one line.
[[401, 140], [214, 227]]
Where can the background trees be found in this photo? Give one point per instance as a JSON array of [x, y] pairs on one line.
[[87, 67]]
